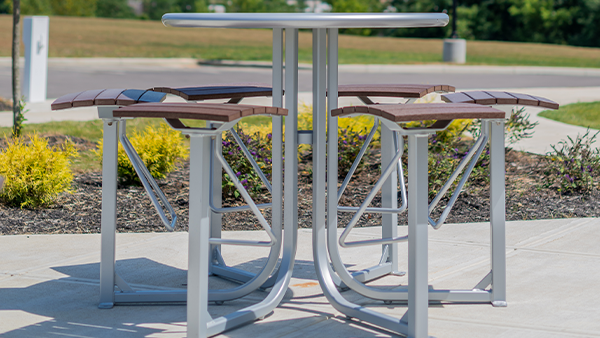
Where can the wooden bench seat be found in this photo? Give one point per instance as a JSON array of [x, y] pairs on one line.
[[392, 90], [226, 91], [499, 98], [425, 111], [220, 112], [125, 97], [106, 97]]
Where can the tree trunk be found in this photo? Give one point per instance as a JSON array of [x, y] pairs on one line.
[[16, 44]]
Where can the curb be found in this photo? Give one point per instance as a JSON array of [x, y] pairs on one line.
[[412, 68]]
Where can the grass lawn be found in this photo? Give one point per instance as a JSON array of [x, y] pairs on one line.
[[580, 114], [96, 37]]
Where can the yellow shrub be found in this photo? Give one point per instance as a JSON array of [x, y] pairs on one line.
[[35, 174], [357, 124], [161, 149]]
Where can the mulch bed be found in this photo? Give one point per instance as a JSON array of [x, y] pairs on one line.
[[79, 212]]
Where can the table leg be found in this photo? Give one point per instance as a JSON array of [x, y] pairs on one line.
[[199, 234], [291, 130], [319, 130], [109, 212], [497, 213], [418, 289]]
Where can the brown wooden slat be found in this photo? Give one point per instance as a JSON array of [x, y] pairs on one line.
[[546, 103], [108, 97], [391, 90], [457, 98], [426, 111], [162, 89], [448, 89], [86, 98], [197, 111], [525, 100], [502, 97], [508, 98], [481, 97], [130, 96], [64, 102], [150, 96], [225, 91]]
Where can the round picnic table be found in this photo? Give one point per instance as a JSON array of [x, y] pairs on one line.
[[325, 28]]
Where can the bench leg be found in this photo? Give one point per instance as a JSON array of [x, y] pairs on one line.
[[199, 234], [216, 218], [418, 290], [389, 199], [109, 213], [497, 212]]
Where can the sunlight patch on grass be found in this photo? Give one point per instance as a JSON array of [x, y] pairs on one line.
[[585, 114]]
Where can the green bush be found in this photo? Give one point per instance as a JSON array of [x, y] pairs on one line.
[[35, 174], [448, 147], [118, 9], [36, 7], [260, 147], [161, 150], [349, 144], [73, 7], [155, 9], [573, 165]]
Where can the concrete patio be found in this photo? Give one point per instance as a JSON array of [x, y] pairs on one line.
[[49, 284]]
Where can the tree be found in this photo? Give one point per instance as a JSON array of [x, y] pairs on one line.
[[5, 7], [357, 6], [73, 7], [118, 9], [259, 6], [16, 84], [36, 7]]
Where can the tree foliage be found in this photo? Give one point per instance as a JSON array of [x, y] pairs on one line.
[[259, 6], [573, 22], [118, 9]]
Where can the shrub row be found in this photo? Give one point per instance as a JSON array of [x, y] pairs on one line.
[[34, 174]]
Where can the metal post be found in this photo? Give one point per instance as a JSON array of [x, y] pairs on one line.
[[319, 131], [291, 130], [332, 125], [389, 198], [277, 139], [418, 290], [199, 234], [217, 179], [109, 212], [497, 213]]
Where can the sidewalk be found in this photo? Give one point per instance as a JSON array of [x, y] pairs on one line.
[[49, 284]]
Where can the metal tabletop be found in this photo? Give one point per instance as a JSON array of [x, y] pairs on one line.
[[305, 20]]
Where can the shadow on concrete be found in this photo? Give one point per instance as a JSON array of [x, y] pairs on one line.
[[67, 306]]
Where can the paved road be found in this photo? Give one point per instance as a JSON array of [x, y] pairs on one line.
[[65, 78]]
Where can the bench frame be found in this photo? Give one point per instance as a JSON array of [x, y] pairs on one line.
[[205, 225]]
